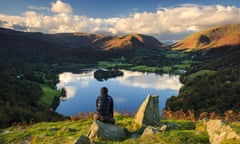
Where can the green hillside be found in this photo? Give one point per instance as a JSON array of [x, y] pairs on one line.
[[68, 131]]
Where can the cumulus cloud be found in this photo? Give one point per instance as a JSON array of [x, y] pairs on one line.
[[71, 82], [163, 23], [61, 7], [37, 8]]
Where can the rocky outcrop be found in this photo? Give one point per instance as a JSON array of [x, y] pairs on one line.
[[100, 130], [218, 132], [148, 113]]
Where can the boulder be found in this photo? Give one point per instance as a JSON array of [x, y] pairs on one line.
[[148, 112], [163, 128], [83, 140], [149, 130], [105, 131], [218, 131]]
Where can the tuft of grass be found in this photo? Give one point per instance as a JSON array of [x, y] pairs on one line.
[[48, 94]]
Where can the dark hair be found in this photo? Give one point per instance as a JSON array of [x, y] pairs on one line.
[[104, 90]]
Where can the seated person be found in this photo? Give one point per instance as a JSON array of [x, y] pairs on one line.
[[104, 107]]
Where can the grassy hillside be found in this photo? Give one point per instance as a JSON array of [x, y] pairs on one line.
[[68, 131], [226, 35]]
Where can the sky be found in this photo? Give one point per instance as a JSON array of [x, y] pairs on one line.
[[163, 19]]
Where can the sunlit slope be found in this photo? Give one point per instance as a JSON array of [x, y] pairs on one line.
[[133, 41], [88, 41], [225, 35], [110, 42]]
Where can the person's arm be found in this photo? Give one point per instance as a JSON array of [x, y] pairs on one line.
[[97, 105], [111, 106]]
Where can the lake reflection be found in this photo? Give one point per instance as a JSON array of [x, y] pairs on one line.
[[128, 91]]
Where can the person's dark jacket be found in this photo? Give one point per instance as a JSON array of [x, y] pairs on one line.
[[104, 105]]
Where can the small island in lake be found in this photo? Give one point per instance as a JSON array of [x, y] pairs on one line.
[[101, 75]]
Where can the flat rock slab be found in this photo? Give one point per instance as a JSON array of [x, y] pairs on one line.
[[100, 130]]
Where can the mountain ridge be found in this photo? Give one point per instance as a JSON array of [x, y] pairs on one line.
[[215, 37], [95, 41]]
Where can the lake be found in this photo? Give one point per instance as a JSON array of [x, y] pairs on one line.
[[128, 91]]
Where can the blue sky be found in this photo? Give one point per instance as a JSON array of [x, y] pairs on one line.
[[164, 19], [107, 8]]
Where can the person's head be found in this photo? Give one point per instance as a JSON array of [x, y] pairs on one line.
[[104, 91]]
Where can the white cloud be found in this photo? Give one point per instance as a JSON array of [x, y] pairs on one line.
[[164, 22], [61, 7], [136, 79], [38, 8]]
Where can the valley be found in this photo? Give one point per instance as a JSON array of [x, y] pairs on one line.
[[208, 62]]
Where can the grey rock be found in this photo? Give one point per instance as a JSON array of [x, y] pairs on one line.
[[83, 140], [163, 128], [173, 126], [148, 112], [105, 131], [149, 130], [53, 129], [135, 136]]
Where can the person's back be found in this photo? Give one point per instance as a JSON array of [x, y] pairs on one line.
[[104, 107]]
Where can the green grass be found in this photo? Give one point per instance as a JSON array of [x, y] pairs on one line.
[[172, 55], [236, 127], [185, 64], [51, 132], [180, 124], [231, 141], [177, 137], [48, 94], [68, 131], [146, 68], [110, 65], [105, 64], [167, 69]]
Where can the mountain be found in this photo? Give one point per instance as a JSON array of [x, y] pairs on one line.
[[94, 41], [105, 42], [213, 85], [220, 36], [133, 41]]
